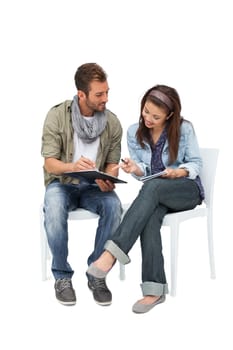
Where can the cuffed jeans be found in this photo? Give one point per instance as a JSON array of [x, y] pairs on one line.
[[144, 218], [62, 198]]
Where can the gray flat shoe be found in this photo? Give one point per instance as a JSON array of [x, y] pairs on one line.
[[96, 272], [140, 308]]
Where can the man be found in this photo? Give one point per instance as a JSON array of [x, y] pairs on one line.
[[79, 135]]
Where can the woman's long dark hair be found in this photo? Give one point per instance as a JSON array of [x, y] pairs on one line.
[[173, 123]]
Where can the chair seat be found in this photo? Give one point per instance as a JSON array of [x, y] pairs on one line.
[[82, 214], [184, 215]]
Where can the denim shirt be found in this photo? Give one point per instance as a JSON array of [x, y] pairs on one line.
[[188, 152]]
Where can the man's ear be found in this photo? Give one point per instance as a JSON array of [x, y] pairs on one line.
[[81, 94]]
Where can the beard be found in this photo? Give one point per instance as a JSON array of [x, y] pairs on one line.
[[96, 107]]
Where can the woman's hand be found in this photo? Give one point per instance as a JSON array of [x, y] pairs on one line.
[[175, 173], [130, 166]]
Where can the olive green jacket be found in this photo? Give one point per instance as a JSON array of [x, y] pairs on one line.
[[57, 140]]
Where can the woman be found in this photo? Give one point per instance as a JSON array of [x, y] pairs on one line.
[[162, 140]]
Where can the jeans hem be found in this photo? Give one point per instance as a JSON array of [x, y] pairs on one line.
[[117, 252], [154, 288]]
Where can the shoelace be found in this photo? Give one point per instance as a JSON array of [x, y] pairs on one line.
[[65, 283], [100, 283]]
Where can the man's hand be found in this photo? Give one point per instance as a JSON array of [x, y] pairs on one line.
[[105, 185], [56, 166], [83, 164]]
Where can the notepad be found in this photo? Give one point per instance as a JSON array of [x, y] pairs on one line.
[[92, 175], [153, 176]]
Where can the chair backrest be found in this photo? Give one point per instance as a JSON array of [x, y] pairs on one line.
[[210, 158]]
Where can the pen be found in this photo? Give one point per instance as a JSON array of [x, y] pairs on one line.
[[123, 161]]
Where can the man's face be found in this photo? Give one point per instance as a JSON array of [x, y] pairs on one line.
[[96, 99]]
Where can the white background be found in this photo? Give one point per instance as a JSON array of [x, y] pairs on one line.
[[184, 44]]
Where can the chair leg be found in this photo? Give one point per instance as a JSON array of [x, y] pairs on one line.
[[174, 231], [44, 248], [122, 272], [45, 252], [121, 266], [211, 245]]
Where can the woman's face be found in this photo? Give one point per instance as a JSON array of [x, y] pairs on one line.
[[154, 116]]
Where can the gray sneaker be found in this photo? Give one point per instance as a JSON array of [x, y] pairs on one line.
[[65, 292], [101, 293]]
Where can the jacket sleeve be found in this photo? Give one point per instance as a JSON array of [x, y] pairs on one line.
[[51, 139], [191, 153], [139, 155]]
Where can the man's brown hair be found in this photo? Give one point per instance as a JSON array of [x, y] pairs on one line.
[[86, 73]]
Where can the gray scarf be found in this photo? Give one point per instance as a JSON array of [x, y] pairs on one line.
[[87, 130]]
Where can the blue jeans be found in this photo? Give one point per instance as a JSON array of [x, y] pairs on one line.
[[144, 219], [62, 198]]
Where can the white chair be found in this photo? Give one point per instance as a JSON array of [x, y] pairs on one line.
[[173, 220], [79, 214]]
